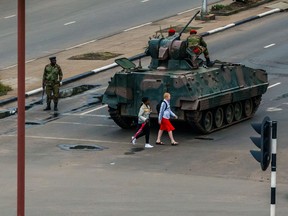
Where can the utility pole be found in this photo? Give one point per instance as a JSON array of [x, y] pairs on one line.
[[21, 110], [204, 9], [204, 15]]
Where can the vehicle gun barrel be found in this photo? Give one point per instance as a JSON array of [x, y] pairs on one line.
[[180, 33]]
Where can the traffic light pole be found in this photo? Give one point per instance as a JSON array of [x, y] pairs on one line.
[[273, 125], [267, 143]]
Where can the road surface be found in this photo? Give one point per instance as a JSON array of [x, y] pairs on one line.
[[205, 175], [54, 25]]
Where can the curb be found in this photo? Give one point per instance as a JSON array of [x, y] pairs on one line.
[[4, 113], [138, 56], [240, 22]]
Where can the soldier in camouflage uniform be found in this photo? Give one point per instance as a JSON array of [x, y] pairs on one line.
[[197, 46], [52, 78]]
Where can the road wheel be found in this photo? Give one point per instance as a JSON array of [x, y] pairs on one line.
[[121, 121], [248, 107], [229, 114], [218, 117], [237, 111], [207, 121]]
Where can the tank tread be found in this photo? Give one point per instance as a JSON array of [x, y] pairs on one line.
[[195, 121], [123, 122]]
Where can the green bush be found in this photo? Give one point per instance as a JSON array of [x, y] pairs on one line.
[[220, 7], [4, 89], [217, 7]]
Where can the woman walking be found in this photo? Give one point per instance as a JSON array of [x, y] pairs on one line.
[[164, 120], [143, 127]]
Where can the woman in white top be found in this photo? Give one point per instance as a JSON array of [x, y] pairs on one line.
[[143, 127]]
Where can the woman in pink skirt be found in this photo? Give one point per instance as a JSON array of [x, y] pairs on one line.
[[164, 120]]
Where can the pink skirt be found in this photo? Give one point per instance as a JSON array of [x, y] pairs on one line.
[[166, 125]]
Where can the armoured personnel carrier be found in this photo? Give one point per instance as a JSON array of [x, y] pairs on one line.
[[208, 98]]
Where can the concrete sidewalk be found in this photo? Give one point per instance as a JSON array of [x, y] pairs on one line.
[[128, 43]]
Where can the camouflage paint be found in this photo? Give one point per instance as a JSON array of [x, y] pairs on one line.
[[193, 92]]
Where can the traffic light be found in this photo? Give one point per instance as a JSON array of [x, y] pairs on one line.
[[263, 143]]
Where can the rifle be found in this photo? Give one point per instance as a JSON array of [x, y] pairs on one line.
[[161, 34], [180, 33], [43, 92]]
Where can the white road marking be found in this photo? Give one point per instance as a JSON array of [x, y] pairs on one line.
[[271, 86], [270, 45], [145, 1], [92, 41], [78, 123], [98, 108], [15, 65], [10, 67], [63, 138], [145, 24], [87, 115], [180, 13], [7, 17], [69, 23], [31, 60], [273, 109]]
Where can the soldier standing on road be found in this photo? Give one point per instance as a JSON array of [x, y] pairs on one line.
[[197, 46], [52, 78]]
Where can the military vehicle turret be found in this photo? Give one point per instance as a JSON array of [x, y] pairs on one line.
[[208, 98]]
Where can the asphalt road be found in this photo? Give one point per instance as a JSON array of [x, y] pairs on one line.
[[265, 47], [54, 25], [214, 175]]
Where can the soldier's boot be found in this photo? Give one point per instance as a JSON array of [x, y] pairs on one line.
[[208, 62], [55, 106], [48, 107]]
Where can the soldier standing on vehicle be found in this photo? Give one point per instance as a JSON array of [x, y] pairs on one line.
[[171, 32], [197, 46], [52, 79]]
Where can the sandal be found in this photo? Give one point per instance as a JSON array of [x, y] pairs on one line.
[[160, 143], [174, 143]]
